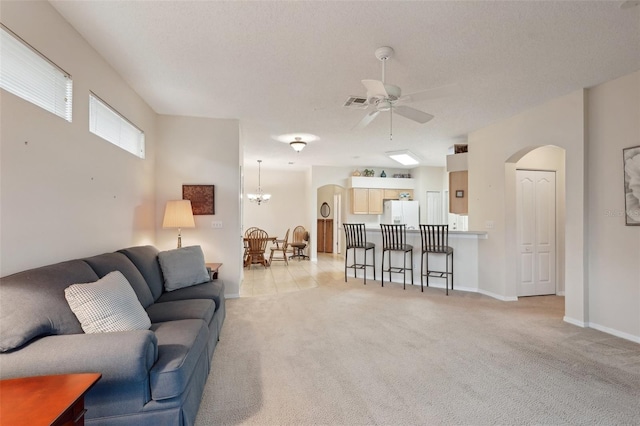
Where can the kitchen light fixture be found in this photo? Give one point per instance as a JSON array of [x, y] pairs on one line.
[[259, 197], [298, 144], [404, 157], [178, 214]]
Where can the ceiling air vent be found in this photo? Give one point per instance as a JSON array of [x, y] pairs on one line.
[[356, 102]]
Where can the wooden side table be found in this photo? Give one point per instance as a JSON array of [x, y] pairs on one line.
[[45, 400], [213, 268]]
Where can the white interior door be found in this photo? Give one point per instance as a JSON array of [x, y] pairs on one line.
[[434, 208], [337, 225], [536, 239]]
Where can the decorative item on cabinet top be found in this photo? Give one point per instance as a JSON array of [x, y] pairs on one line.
[[368, 172], [356, 173]]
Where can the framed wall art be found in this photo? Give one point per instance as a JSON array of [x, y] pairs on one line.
[[201, 197], [631, 157]]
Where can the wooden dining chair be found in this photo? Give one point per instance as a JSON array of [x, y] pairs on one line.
[[257, 245], [300, 239], [280, 246], [246, 243]]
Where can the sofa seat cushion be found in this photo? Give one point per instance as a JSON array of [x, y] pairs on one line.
[[213, 290], [180, 345], [32, 302], [182, 309]]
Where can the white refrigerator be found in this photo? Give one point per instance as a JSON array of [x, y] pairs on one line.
[[399, 212]]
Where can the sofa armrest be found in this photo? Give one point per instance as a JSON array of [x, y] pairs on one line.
[[119, 356]]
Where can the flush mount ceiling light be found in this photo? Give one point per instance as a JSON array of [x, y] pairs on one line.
[[298, 144], [404, 157], [297, 141]]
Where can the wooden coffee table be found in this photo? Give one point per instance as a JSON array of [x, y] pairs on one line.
[[45, 400]]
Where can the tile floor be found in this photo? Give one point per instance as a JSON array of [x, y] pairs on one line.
[[299, 275]]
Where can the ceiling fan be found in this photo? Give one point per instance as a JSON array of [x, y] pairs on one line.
[[388, 97]]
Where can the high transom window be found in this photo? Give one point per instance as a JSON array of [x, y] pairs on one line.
[[29, 74], [112, 126]]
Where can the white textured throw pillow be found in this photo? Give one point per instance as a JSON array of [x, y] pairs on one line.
[[183, 267], [109, 304]]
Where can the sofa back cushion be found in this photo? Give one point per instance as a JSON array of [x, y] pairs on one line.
[[146, 260], [183, 267], [32, 302], [109, 262]]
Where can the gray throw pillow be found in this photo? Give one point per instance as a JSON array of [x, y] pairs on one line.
[[183, 267], [107, 305]]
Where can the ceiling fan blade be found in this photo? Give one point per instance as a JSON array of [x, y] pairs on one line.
[[412, 114], [435, 93], [367, 119], [375, 88]]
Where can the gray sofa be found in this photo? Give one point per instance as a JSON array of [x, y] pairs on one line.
[[149, 377]]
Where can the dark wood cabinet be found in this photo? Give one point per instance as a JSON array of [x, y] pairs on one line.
[[325, 236]]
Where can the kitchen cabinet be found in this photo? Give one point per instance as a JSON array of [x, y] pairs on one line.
[[325, 236], [366, 200], [394, 194], [458, 192]]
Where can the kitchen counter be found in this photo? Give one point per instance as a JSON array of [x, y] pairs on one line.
[[465, 258]]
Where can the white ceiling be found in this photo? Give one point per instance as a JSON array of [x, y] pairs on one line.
[[282, 67]]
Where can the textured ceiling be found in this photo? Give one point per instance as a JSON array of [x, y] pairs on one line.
[[288, 66]]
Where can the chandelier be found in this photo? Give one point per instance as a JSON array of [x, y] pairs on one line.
[[259, 197]]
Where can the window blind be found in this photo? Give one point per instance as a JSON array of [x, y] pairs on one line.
[[113, 127], [27, 73]]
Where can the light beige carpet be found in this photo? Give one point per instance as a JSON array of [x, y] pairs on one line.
[[349, 354]]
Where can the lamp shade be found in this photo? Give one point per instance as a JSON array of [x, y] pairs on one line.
[[178, 214]]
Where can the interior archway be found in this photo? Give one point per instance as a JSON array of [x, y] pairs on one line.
[[332, 196], [546, 158]]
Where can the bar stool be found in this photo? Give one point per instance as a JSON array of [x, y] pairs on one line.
[[394, 238], [357, 239], [435, 240]]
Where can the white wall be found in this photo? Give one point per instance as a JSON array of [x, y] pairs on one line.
[[614, 249], [64, 192], [493, 155], [288, 206], [202, 151]]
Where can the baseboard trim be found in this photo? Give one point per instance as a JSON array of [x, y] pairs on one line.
[[232, 296], [574, 321], [498, 296], [614, 332]]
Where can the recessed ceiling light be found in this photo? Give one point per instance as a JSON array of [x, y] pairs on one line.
[[404, 157]]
